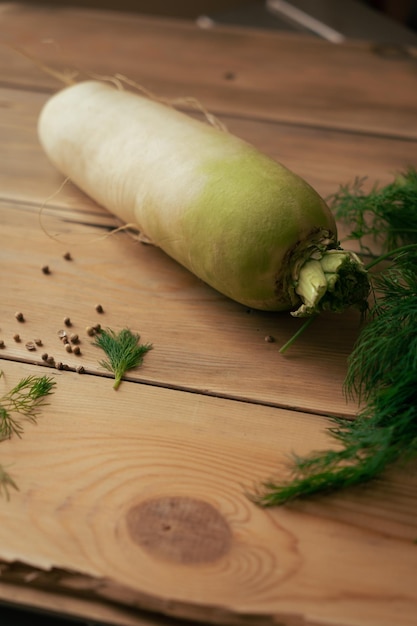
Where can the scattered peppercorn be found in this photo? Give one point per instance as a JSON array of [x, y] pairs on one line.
[[269, 339], [44, 356], [76, 350], [50, 360], [90, 331], [38, 342], [16, 337], [59, 365], [80, 369], [2, 344], [68, 347], [46, 269], [97, 328], [67, 321], [30, 345], [67, 256], [99, 308], [20, 317], [74, 338], [62, 334]]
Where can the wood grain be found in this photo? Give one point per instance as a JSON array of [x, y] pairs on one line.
[[54, 603], [133, 506], [289, 78], [95, 460], [202, 341]]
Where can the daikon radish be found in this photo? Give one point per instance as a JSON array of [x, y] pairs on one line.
[[237, 219]]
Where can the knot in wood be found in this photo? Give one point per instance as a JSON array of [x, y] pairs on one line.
[[180, 529]]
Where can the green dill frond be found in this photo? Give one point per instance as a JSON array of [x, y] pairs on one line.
[[23, 401], [387, 214], [386, 350], [123, 350], [368, 449], [382, 373], [9, 426]]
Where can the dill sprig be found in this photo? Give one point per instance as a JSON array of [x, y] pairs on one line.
[[123, 350], [382, 372], [388, 214], [24, 401]]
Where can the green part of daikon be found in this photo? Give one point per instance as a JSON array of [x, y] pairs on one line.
[[334, 282], [252, 213]]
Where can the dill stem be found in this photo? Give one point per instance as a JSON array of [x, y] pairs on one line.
[[387, 255], [296, 335]]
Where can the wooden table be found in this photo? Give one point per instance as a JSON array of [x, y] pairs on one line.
[[132, 505]]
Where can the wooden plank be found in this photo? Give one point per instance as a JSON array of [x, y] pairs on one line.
[[102, 476], [285, 77], [58, 605], [202, 341]]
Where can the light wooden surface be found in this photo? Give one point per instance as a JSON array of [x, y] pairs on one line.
[[132, 505]]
